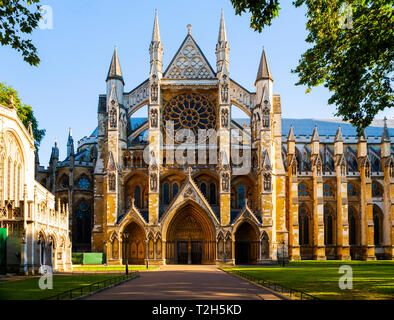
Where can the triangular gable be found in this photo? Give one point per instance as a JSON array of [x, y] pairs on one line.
[[245, 214], [189, 63], [190, 191]]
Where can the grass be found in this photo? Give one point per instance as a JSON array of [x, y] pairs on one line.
[[371, 279], [28, 288], [94, 268]]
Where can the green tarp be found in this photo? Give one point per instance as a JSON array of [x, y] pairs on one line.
[[3, 237], [88, 258]]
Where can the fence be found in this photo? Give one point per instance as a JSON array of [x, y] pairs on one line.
[[293, 293], [80, 291]]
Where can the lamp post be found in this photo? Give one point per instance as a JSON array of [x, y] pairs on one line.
[[125, 238], [283, 253]]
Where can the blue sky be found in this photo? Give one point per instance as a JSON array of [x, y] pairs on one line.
[[75, 56]]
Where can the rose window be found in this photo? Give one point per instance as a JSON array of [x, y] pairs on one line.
[[190, 111]]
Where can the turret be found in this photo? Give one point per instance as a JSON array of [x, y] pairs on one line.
[[54, 153], [291, 141], [115, 77]]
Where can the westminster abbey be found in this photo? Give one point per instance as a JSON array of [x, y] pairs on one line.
[[190, 184]]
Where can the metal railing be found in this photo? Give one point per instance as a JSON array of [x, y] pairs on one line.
[[292, 293], [83, 290]]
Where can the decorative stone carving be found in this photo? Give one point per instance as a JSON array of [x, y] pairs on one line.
[[154, 92], [113, 117], [112, 182], [153, 181], [154, 118], [225, 117], [224, 92], [225, 181], [266, 117], [267, 181]]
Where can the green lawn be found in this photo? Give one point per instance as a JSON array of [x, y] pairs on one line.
[[371, 279], [94, 268], [28, 288]]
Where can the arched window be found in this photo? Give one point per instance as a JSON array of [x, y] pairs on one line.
[[9, 179], [203, 188], [83, 227], [352, 227], [166, 193], [351, 190], [303, 220], [212, 193], [303, 190], [377, 225], [64, 182], [327, 191], [376, 189], [137, 196], [241, 196], [328, 226], [175, 189]]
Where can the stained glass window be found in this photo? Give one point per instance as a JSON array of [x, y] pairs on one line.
[[190, 111], [83, 183], [303, 190], [327, 191]]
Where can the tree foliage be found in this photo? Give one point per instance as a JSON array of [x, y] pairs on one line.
[[25, 112], [352, 53], [19, 18]]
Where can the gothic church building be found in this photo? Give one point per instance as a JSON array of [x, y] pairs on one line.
[[152, 193]]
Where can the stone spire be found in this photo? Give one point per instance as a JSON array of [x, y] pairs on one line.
[[385, 135], [55, 152], [70, 144], [222, 30], [291, 136], [338, 136], [264, 71], [315, 135], [156, 29], [222, 49], [156, 50], [114, 71]]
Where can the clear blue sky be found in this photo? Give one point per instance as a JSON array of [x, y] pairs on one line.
[[75, 56]]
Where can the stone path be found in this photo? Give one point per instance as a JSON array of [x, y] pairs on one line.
[[186, 282]]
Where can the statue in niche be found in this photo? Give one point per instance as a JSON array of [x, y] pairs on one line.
[[225, 118], [112, 118], [266, 117], [154, 118], [224, 92], [154, 92], [153, 181], [225, 181]]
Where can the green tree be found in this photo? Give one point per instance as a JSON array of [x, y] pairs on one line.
[[17, 19], [352, 52], [25, 112]]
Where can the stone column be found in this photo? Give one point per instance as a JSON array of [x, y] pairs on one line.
[[342, 223], [366, 205]]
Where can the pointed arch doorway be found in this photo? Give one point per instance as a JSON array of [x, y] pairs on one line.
[[190, 237], [246, 244]]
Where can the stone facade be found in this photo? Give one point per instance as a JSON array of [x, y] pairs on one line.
[[36, 229], [243, 194]]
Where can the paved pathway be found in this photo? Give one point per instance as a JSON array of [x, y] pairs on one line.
[[185, 282]]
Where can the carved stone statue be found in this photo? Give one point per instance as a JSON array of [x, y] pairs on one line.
[[225, 118], [225, 181], [153, 181], [154, 92], [267, 181], [112, 118], [153, 118], [224, 93]]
